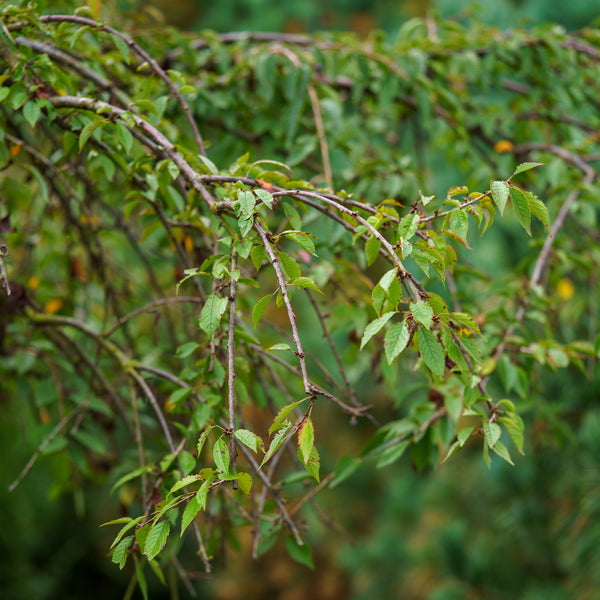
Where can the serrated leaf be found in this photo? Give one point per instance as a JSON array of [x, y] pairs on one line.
[[194, 506], [313, 464], [305, 282], [202, 493], [422, 312], [372, 247], [539, 210], [281, 346], [276, 442], [396, 340], [521, 205], [282, 415], [186, 349], [202, 439], [431, 351], [501, 450], [182, 483], [466, 320], [249, 439], [408, 226], [221, 455], [156, 539], [246, 201], [459, 224], [212, 312], [290, 265], [301, 238], [259, 309], [515, 427], [425, 200], [306, 439], [526, 166], [119, 555], [492, 432], [265, 196], [375, 326], [500, 193], [125, 529], [179, 396]]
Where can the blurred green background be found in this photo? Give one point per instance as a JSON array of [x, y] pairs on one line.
[[530, 532]]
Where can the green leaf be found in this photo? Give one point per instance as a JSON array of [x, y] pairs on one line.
[[396, 340], [88, 130], [306, 439], [221, 455], [119, 555], [521, 206], [141, 578], [515, 427], [422, 312], [387, 279], [538, 210], [246, 201], [249, 439], [259, 309], [301, 238], [202, 493], [202, 439], [492, 432], [459, 224], [500, 193], [408, 226], [32, 112], [375, 326], [277, 441], [178, 396], [194, 506], [258, 255], [300, 554], [372, 247], [282, 415], [125, 136], [465, 320], [290, 265], [431, 351], [212, 312], [156, 538], [265, 196], [526, 166], [125, 529], [132, 475], [281, 346], [244, 482], [313, 464], [392, 454], [500, 449], [305, 282], [209, 164], [182, 483]]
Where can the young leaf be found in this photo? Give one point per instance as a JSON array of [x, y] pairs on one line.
[[500, 192], [290, 265], [132, 475], [247, 201], [244, 482], [209, 164], [119, 555], [539, 210], [500, 449], [422, 312], [212, 312], [375, 326], [221, 455], [313, 464], [431, 351], [156, 538], [125, 529], [306, 439], [182, 483], [301, 238], [276, 442], [526, 166], [282, 415], [396, 339], [265, 196], [202, 493], [521, 206], [202, 439], [32, 112], [305, 282], [514, 425], [408, 226]]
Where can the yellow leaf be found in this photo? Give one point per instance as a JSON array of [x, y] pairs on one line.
[[53, 306], [565, 289], [503, 146]]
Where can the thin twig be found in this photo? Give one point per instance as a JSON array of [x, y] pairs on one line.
[[231, 370]]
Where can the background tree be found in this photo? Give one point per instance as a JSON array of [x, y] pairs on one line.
[[244, 273]]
